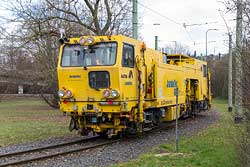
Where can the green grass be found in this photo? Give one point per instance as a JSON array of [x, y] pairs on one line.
[[212, 147], [29, 120]]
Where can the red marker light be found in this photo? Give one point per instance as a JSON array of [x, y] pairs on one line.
[[149, 90], [106, 93], [68, 93]]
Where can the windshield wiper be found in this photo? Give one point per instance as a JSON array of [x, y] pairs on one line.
[[96, 88]]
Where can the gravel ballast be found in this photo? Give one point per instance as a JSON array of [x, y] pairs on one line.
[[118, 152]]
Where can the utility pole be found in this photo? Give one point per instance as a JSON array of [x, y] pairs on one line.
[[238, 63], [156, 42], [230, 66], [206, 45], [135, 19], [156, 36], [175, 47], [176, 93], [230, 86]]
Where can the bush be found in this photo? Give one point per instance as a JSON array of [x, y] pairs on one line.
[[243, 143]]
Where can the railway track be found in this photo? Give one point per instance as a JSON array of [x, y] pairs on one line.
[[47, 152], [27, 156]]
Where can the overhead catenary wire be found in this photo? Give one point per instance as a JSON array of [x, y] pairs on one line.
[[183, 25], [199, 24], [189, 35], [179, 24], [160, 14], [167, 18]]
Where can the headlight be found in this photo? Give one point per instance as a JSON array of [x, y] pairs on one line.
[[60, 93], [90, 40], [68, 93], [106, 93], [82, 40], [114, 93]]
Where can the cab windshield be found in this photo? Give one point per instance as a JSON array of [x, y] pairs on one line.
[[102, 54]]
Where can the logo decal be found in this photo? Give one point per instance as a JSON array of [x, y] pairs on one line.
[[171, 84]]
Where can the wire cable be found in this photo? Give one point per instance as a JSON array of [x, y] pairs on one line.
[[189, 36], [168, 18], [184, 26], [158, 13]]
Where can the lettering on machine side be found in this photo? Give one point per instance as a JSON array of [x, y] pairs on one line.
[[128, 83], [124, 76], [75, 76], [165, 102], [130, 75], [172, 84]]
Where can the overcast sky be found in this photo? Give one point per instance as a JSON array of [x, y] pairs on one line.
[[189, 12]]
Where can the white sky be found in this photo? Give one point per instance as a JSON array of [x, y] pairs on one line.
[[189, 12], [183, 11]]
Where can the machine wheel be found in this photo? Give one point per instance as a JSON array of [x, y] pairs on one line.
[[72, 125], [121, 134], [205, 105], [103, 134]]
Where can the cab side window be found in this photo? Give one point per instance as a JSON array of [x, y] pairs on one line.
[[204, 70], [128, 58], [164, 58]]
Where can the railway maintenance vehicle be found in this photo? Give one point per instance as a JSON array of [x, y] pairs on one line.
[[113, 85]]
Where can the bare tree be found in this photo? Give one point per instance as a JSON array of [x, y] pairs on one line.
[[218, 68], [37, 32], [102, 17], [242, 141], [177, 48]]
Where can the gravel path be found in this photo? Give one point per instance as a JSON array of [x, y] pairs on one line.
[[118, 152]]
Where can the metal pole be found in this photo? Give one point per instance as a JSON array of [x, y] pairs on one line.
[[238, 63], [135, 19], [175, 47], [206, 45], [156, 42], [230, 86], [176, 121], [156, 36]]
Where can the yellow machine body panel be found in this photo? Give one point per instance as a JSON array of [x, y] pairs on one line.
[[76, 79], [114, 83]]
